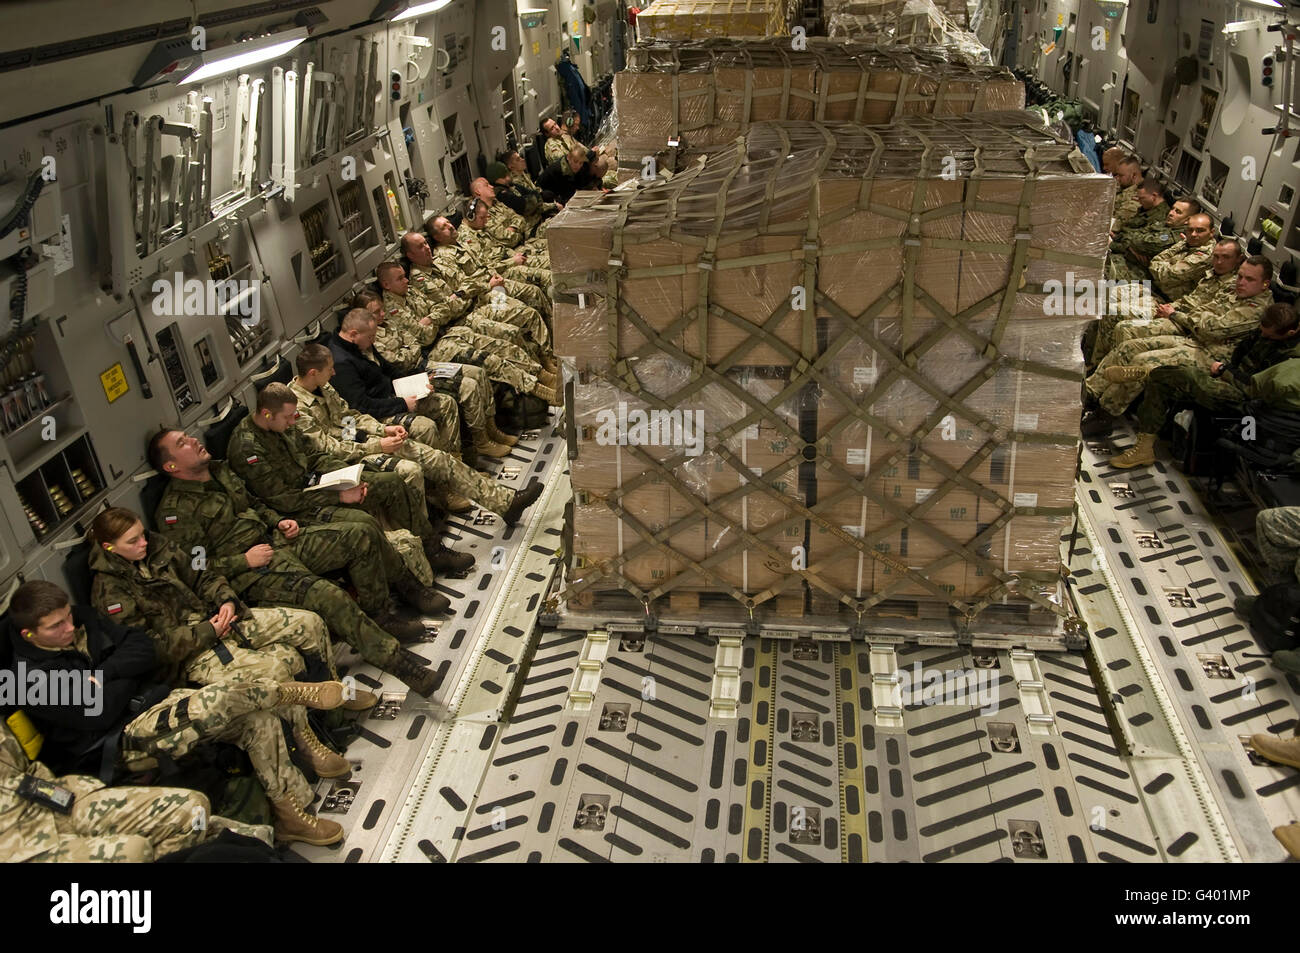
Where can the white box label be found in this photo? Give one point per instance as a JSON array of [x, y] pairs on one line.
[[856, 456], [1026, 421], [923, 495], [751, 432], [852, 531], [1025, 499], [865, 375]]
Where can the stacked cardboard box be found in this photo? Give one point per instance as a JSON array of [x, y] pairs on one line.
[[906, 23], [873, 396], [697, 19], [707, 93], [953, 10]]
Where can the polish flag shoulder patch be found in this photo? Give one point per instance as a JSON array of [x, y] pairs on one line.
[[115, 608], [252, 459], [169, 520]]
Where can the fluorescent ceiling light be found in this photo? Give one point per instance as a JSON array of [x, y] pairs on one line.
[[1266, 3], [243, 55], [420, 9]]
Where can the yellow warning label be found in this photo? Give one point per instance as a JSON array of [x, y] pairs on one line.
[[1060, 19], [537, 47], [114, 382]]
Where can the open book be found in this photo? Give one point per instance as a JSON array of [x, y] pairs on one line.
[[345, 478], [417, 385]]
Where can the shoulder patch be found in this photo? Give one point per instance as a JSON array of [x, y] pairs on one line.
[[252, 459], [115, 608], [170, 519]]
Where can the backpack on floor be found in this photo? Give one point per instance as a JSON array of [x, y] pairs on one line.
[[1275, 617]]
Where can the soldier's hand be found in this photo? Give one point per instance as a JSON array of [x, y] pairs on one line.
[[226, 614], [426, 320], [1216, 368], [519, 259], [396, 430], [219, 625], [288, 527], [259, 556], [391, 443], [410, 403], [354, 495], [496, 281], [1164, 310]]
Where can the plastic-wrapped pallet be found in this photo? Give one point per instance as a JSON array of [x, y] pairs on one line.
[[697, 19], [706, 93], [908, 23], [875, 395], [954, 10]]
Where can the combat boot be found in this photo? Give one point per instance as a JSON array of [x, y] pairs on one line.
[[404, 631], [496, 436], [1141, 454], [1288, 660], [1121, 373], [458, 504], [1242, 606], [1290, 838], [1276, 750], [483, 445], [443, 560], [324, 696], [422, 598], [326, 763], [406, 666], [523, 499], [361, 700], [293, 823], [547, 378], [1096, 423]]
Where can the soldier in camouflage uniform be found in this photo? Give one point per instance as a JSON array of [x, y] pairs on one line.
[[1215, 290], [1128, 175], [1211, 335], [1142, 245], [1222, 388], [106, 825], [1145, 231], [508, 228], [1177, 270], [325, 416], [477, 242], [139, 720], [1277, 533], [558, 142], [477, 277], [278, 462], [514, 187], [451, 299], [269, 560]]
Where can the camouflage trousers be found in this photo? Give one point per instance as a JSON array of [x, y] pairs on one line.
[[435, 422], [241, 712], [536, 275], [514, 310], [1166, 386], [352, 541], [447, 474], [526, 291], [1119, 268], [500, 362], [1277, 532], [408, 470], [268, 643], [1128, 311], [133, 825], [395, 503], [1164, 351]]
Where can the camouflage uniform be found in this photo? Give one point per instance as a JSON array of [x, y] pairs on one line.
[[479, 256], [1177, 270], [166, 596], [510, 230], [428, 296], [524, 305], [277, 466], [338, 430], [1277, 533], [556, 149], [1213, 291], [106, 825], [508, 365], [1212, 336], [526, 195], [1126, 206], [1147, 234], [223, 518], [443, 471]]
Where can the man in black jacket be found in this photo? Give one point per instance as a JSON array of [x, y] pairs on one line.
[[100, 709], [365, 380], [572, 173]]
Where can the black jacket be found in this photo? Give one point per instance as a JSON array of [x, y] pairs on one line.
[[557, 178], [126, 660], [365, 385]]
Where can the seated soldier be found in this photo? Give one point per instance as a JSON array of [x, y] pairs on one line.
[[516, 189], [1151, 214], [477, 275], [559, 142], [102, 825], [280, 465], [135, 720], [273, 561], [1209, 335], [1142, 245], [457, 361], [1222, 388], [450, 299], [351, 435], [1128, 175], [509, 229], [477, 241], [1148, 318], [1110, 159], [570, 173], [144, 582]]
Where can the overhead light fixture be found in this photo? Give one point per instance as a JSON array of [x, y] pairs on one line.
[[396, 10], [1112, 8], [176, 61]]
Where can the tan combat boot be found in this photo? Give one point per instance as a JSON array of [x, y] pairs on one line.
[[361, 700], [549, 394], [1121, 373], [457, 503], [293, 823], [326, 763], [1276, 750], [1141, 454], [494, 432], [485, 446], [1290, 838], [322, 695], [547, 378]]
